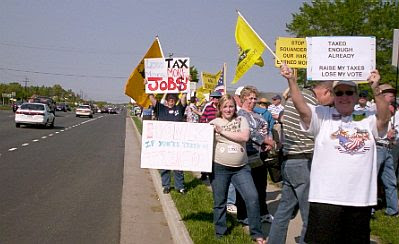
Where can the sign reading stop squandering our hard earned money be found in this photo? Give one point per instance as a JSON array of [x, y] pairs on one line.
[[167, 75], [340, 57]]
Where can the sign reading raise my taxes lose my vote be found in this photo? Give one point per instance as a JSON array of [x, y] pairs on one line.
[[340, 57], [167, 75], [291, 51], [177, 146]]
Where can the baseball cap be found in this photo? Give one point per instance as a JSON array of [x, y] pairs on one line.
[[263, 100], [385, 88], [344, 82], [216, 94], [276, 97], [363, 93], [171, 96], [238, 91]]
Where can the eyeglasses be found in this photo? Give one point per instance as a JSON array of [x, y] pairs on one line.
[[341, 93], [364, 96]]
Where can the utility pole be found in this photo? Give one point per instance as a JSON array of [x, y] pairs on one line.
[[26, 82]]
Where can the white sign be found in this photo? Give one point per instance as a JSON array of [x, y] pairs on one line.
[[177, 146], [340, 57], [395, 48], [167, 75]]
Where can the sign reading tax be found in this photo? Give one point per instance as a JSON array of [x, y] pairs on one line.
[[340, 57], [167, 75]]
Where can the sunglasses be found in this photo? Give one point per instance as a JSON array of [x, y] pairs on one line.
[[341, 93]]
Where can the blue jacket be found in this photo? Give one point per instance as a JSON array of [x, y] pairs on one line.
[[267, 116]]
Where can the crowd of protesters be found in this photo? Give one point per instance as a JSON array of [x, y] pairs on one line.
[[337, 145]]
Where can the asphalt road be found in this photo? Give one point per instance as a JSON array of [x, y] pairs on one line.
[[62, 185]]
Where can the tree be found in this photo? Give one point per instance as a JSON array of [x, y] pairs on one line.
[[351, 18], [194, 74]]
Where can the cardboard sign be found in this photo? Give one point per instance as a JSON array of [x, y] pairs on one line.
[[340, 57], [177, 146], [292, 51], [209, 80], [167, 75]]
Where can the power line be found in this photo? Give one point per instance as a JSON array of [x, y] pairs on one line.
[[67, 75]]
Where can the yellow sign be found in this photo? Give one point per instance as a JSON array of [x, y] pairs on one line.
[[209, 80], [292, 51]]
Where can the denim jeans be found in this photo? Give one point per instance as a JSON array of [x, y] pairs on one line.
[[231, 195], [179, 178], [295, 190], [241, 178], [386, 173], [259, 176]]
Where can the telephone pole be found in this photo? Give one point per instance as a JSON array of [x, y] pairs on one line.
[[26, 82]]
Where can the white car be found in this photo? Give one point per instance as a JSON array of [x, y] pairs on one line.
[[84, 110], [34, 114]]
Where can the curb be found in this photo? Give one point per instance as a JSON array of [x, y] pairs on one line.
[[176, 225]]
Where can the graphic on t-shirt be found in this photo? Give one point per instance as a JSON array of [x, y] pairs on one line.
[[352, 143]]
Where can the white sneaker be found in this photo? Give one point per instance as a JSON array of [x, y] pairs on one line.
[[231, 208], [266, 218]]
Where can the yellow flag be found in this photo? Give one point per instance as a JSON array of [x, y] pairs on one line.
[[251, 48], [134, 87]]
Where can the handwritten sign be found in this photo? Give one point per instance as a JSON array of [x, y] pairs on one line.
[[340, 57], [167, 75], [292, 51], [209, 80], [177, 146]]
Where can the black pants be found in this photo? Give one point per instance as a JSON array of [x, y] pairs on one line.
[[259, 175], [329, 223]]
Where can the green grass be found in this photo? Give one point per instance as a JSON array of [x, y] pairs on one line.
[[5, 107], [195, 208], [385, 228]]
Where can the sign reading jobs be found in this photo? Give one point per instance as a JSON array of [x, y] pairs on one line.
[[177, 146], [167, 75], [340, 57]]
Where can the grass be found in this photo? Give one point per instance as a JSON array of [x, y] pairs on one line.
[[195, 208], [5, 107]]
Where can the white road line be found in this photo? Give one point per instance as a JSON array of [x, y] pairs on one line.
[[12, 149], [35, 140], [25, 144], [61, 130], [44, 137], [57, 132], [50, 134]]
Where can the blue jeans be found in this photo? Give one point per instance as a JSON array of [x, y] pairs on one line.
[[386, 173], [295, 190], [179, 178], [241, 178], [231, 195]]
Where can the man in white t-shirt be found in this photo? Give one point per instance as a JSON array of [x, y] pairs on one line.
[[343, 178], [276, 108]]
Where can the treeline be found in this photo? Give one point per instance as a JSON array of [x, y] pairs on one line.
[[56, 92]]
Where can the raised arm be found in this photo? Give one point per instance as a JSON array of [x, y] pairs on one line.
[[296, 95], [382, 106], [152, 99]]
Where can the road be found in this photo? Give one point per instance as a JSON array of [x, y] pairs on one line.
[[62, 185]]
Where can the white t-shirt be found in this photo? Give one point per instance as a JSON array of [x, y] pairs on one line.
[[344, 170]]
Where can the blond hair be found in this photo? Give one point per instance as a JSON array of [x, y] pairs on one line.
[[225, 98]]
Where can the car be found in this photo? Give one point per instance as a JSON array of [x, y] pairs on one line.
[[104, 110], [46, 100], [61, 107], [112, 110], [34, 114], [137, 111], [84, 110], [16, 105]]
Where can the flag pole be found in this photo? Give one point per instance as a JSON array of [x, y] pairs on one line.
[[264, 43], [159, 43], [225, 78]]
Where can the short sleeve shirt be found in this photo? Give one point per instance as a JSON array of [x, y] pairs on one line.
[[176, 113]]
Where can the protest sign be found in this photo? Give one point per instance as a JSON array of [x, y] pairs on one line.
[[209, 80], [177, 146], [167, 75], [340, 57], [291, 51]]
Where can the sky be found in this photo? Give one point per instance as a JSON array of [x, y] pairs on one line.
[[92, 47]]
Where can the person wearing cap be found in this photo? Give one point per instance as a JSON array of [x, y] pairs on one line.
[[343, 178], [297, 149], [208, 114], [276, 108], [169, 111], [363, 103], [385, 161], [237, 98], [262, 110]]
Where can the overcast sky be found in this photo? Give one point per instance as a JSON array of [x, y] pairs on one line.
[[92, 47]]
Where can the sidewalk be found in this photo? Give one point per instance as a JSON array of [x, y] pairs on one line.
[[148, 215]]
